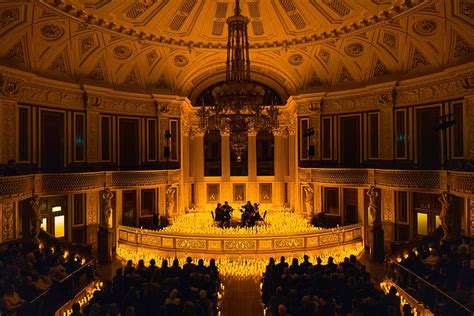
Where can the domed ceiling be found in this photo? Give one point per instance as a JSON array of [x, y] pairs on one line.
[[178, 46]]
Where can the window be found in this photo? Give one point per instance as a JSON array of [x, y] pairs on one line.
[[304, 141], [373, 135], [401, 206], [148, 203], [331, 201], [327, 148], [79, 210], [174, 141], [105, 137], [129, 207], [400, 134], [59, 230], [212, 154], [422, 223], [151, 139], [24, 134], [79, 140], [265, 154], [457, 131]]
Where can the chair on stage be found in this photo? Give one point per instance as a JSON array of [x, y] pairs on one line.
[[261, 219]]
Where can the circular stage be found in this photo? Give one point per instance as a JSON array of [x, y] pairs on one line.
[[196, 235]]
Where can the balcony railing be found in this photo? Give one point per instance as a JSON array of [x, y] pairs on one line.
[[436, 180], [437, 300], [21, 187]]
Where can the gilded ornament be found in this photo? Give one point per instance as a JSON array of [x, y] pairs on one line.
[[51, 32], [122, 52], [354, 49], [425, 27], [295, 59], [180, 60], [11, 87]]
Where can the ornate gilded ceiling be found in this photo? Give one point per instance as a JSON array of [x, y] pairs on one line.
[[178, 46]]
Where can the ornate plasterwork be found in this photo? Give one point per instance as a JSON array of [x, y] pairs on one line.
[[425, 27], [17, 53], [122, 51], [354, 49], [433, 91], [8, 214], [92, 208], [180, 60], [8, 130], [362, 101], [8, 16], [388, 212], [295, 59], [105, 103], [419, 59], [462, 47], [51, 32], [27, 91]]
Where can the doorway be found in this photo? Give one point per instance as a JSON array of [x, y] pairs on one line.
[[350, 141], [52, 140], [428, 139], [128, 135]]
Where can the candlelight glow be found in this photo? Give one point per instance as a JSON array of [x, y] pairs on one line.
[[277, 222], [234, 268]]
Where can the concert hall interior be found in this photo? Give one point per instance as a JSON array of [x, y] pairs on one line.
[[236, 157]]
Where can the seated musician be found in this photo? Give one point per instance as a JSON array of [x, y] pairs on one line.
[[247, 212], [255, 215], [227, 214], [219, 214]]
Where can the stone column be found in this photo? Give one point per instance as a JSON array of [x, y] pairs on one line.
[[200, 189], [279, 153], [8, 128], [386, 134], [252, 156], [225, 156], [185, 161], [93, 126], [468, 116], [293, 190]]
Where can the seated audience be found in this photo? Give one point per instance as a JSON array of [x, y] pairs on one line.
[[167, 291]]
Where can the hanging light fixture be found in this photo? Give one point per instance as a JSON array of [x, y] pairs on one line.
[[238, 102]]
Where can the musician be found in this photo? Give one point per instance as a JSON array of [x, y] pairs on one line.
[[227, 214], [247, 212], [219, 214]]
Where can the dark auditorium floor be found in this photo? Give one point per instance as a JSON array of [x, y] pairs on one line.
[[242, 296]]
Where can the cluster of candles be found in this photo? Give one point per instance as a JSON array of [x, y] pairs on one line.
[[89, 293], [385, 286], [238, 267], [65, 254], [275, 223]]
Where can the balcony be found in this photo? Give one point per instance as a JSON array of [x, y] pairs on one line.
[[22, 187]]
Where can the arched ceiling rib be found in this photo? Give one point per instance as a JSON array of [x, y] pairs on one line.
[[182, 47]]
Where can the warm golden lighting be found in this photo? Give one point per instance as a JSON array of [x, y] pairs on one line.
[[275, 223], [234, 268]]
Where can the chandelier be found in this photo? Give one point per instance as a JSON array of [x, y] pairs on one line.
[[238, 102]]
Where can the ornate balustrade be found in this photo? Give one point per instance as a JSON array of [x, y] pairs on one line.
[[21, 187], [16, 187], [462, 182], [252, 244], [341, 176], [423, 179], [68, 182], [436, 180], [143, 178]]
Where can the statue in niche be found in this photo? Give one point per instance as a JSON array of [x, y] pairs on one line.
[[447, 216], [374, 213], [308, 199], [170, 200], [36, 219], [107, 196]]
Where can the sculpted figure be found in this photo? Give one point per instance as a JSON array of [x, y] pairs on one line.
[[374, 214], [308, 198], [107, 196], [170, 197], [447, 216], [36, 218]]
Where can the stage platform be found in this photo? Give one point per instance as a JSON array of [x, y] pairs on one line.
[[246, 245]]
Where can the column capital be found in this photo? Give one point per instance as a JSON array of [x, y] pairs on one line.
[[252, 133], [197, 132]]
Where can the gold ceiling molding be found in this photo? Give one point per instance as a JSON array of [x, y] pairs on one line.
[[41, 39], [116, 17]]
